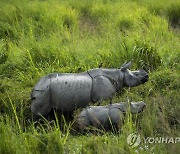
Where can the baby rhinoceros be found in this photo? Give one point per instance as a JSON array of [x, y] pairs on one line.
[[67, 92], [105, 117]]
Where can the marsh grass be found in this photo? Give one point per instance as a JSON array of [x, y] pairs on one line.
[[41, 37]]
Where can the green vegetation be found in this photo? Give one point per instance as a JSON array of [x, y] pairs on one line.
[[38, 37]]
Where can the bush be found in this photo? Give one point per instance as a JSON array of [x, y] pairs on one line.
[[166, 80], [146, 57], [125, 23], [3, 52], [38, 37], [173, 14]]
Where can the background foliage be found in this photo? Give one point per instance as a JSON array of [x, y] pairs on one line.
[[38, 37]]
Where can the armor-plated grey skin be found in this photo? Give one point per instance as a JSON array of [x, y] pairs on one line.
[[106, 117], [68, 91]]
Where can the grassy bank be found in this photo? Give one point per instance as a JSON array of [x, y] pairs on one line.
[[41, 37]]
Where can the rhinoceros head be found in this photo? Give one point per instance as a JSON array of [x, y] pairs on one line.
[[40, 97], [135, 107], [133, 78]]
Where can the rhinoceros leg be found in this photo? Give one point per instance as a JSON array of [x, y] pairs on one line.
[[82, 121], [98, 116]]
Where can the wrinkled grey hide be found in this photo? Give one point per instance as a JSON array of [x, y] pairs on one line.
[[106, 117], [69, 91]]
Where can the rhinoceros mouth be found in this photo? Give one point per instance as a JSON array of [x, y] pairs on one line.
[[145, 79], [142, 109]]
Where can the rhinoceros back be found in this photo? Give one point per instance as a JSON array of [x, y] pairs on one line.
[[70, 91]]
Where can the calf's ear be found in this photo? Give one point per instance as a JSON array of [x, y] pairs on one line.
[[126, 66], [123, 64]]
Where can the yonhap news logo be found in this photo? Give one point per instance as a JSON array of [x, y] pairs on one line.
[[134, 139]]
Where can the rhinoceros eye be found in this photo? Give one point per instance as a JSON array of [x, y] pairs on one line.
[[33, 98], [136, 74]]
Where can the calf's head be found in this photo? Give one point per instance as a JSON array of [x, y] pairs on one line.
[[137, 107], [133, 78]]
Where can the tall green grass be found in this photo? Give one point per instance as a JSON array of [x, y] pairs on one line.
[[41, 37]]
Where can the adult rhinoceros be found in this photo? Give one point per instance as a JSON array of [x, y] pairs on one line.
[[69, 91]]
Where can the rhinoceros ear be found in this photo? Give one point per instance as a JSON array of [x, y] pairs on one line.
[[126, 66], [123, 65]]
